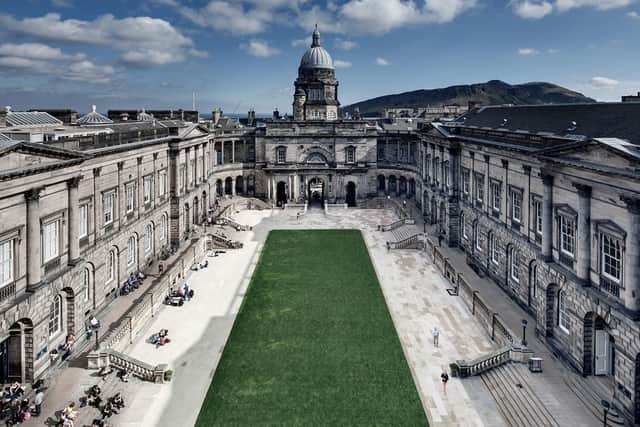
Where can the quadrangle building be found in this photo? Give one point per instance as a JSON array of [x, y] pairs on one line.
[[544, 200]]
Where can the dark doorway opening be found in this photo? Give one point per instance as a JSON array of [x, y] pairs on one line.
[[351, 194], [281, 194]]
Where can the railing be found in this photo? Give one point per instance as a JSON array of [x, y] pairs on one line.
[[412, 242], [483, 363], [113, 358], [8, 291], [396, 224], [225, 241], [231, 223]]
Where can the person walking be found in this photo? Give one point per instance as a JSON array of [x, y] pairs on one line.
[[440, 238], [37, 400], [436, 335], [444, 377]]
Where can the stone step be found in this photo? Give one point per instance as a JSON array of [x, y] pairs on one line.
[[110, 386], [517, 402], [591, 399]]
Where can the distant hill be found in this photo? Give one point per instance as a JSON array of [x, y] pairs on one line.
[[494, 92]]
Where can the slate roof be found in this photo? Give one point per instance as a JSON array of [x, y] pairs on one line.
[[599, 120], [4, 137], [31, 118]]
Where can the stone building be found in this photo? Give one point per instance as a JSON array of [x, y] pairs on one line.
[[545, 200]]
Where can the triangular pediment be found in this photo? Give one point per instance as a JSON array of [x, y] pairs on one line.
[[194, 132], [24, 154], [612, 152]]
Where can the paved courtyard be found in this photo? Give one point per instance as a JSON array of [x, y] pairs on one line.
[[414, 290]]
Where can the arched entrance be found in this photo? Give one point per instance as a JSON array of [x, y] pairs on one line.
[[533, 282], [228, 185], [637, 389], [251, 185], [219, 188], [186, 217], [281, 193], [240, 185], [598, 347], [381, 184], [316, 191], [351, 194], [434, 211], [403, 186], [196, 211], [204, 205], [412, 188], [392, 184], [16, 359]]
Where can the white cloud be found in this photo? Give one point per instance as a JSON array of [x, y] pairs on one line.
[[603, 83], [35, 58], [259, 48], [527, 51], [382, 62], [300, 42], [633, 14], [250, 17], [338, 63], [536, 9], [144, 40], [61, 3], [345, 44], [553, 51]]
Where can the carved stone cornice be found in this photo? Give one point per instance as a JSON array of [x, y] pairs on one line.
[[33, 194], [633, 204], [73, 182], [583, 190]]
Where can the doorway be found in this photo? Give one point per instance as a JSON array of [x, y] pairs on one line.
[[351, 194], [281, 194], [316, 192]]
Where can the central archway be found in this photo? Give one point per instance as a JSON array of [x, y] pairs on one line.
[[316, 191], [351, 194], [281, 193]]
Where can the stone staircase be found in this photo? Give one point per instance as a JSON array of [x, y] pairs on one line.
[[110, 386], [402, 233], [517, 402], [591, 393]]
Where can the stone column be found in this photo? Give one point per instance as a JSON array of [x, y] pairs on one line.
[[547, 218], [195, 166], [34, 258], [244, 185], [296, 187], [73, 225], [583, 266], [452, 171], [386, 185], [187, 167], [233, 151], [632, 259], [268, 188], [222, 152], [233, 186]]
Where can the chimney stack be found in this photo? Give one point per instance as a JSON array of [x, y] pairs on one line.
[[3, 116], [251, 117], [276, 114], [217, 113]]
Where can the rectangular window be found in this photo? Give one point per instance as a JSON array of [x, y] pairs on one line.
[[51, 240], [446, 174], [515, 266], [516, 205], [350, 155], [479, 187], [477, 237], [147, 188], [108, 200], [129, 197], [84, 220], [162, 183], [6, 262], [563, 315], [611, 255], [182, 178], [281, 155], [192, 166], [465, 182], [537, 208], [567, 235], [496, 195]]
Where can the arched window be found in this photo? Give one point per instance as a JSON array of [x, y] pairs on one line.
[[55, 320], [563, 312], [131, 251], [111, 266], [493, 249], [476, 237], [86, 282], [514, 265], [148, 238], [463, 225], [163, 227]]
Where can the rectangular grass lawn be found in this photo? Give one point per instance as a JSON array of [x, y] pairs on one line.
[[313, 343]]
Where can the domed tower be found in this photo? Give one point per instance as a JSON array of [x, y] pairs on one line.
[[316, 88]]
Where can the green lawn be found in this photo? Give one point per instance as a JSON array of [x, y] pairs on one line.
[[314, 343]]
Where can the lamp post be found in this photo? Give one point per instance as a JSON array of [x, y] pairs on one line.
[[94, 324], [605, 407], [524, 332], [424, 222]]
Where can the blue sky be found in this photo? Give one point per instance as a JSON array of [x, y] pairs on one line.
[[241, 54]]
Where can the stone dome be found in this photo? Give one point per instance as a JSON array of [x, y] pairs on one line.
[[316, 56]]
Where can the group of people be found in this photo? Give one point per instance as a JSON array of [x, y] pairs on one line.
[[161, 338], [132, 283], [15, 407], [112, 405]]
